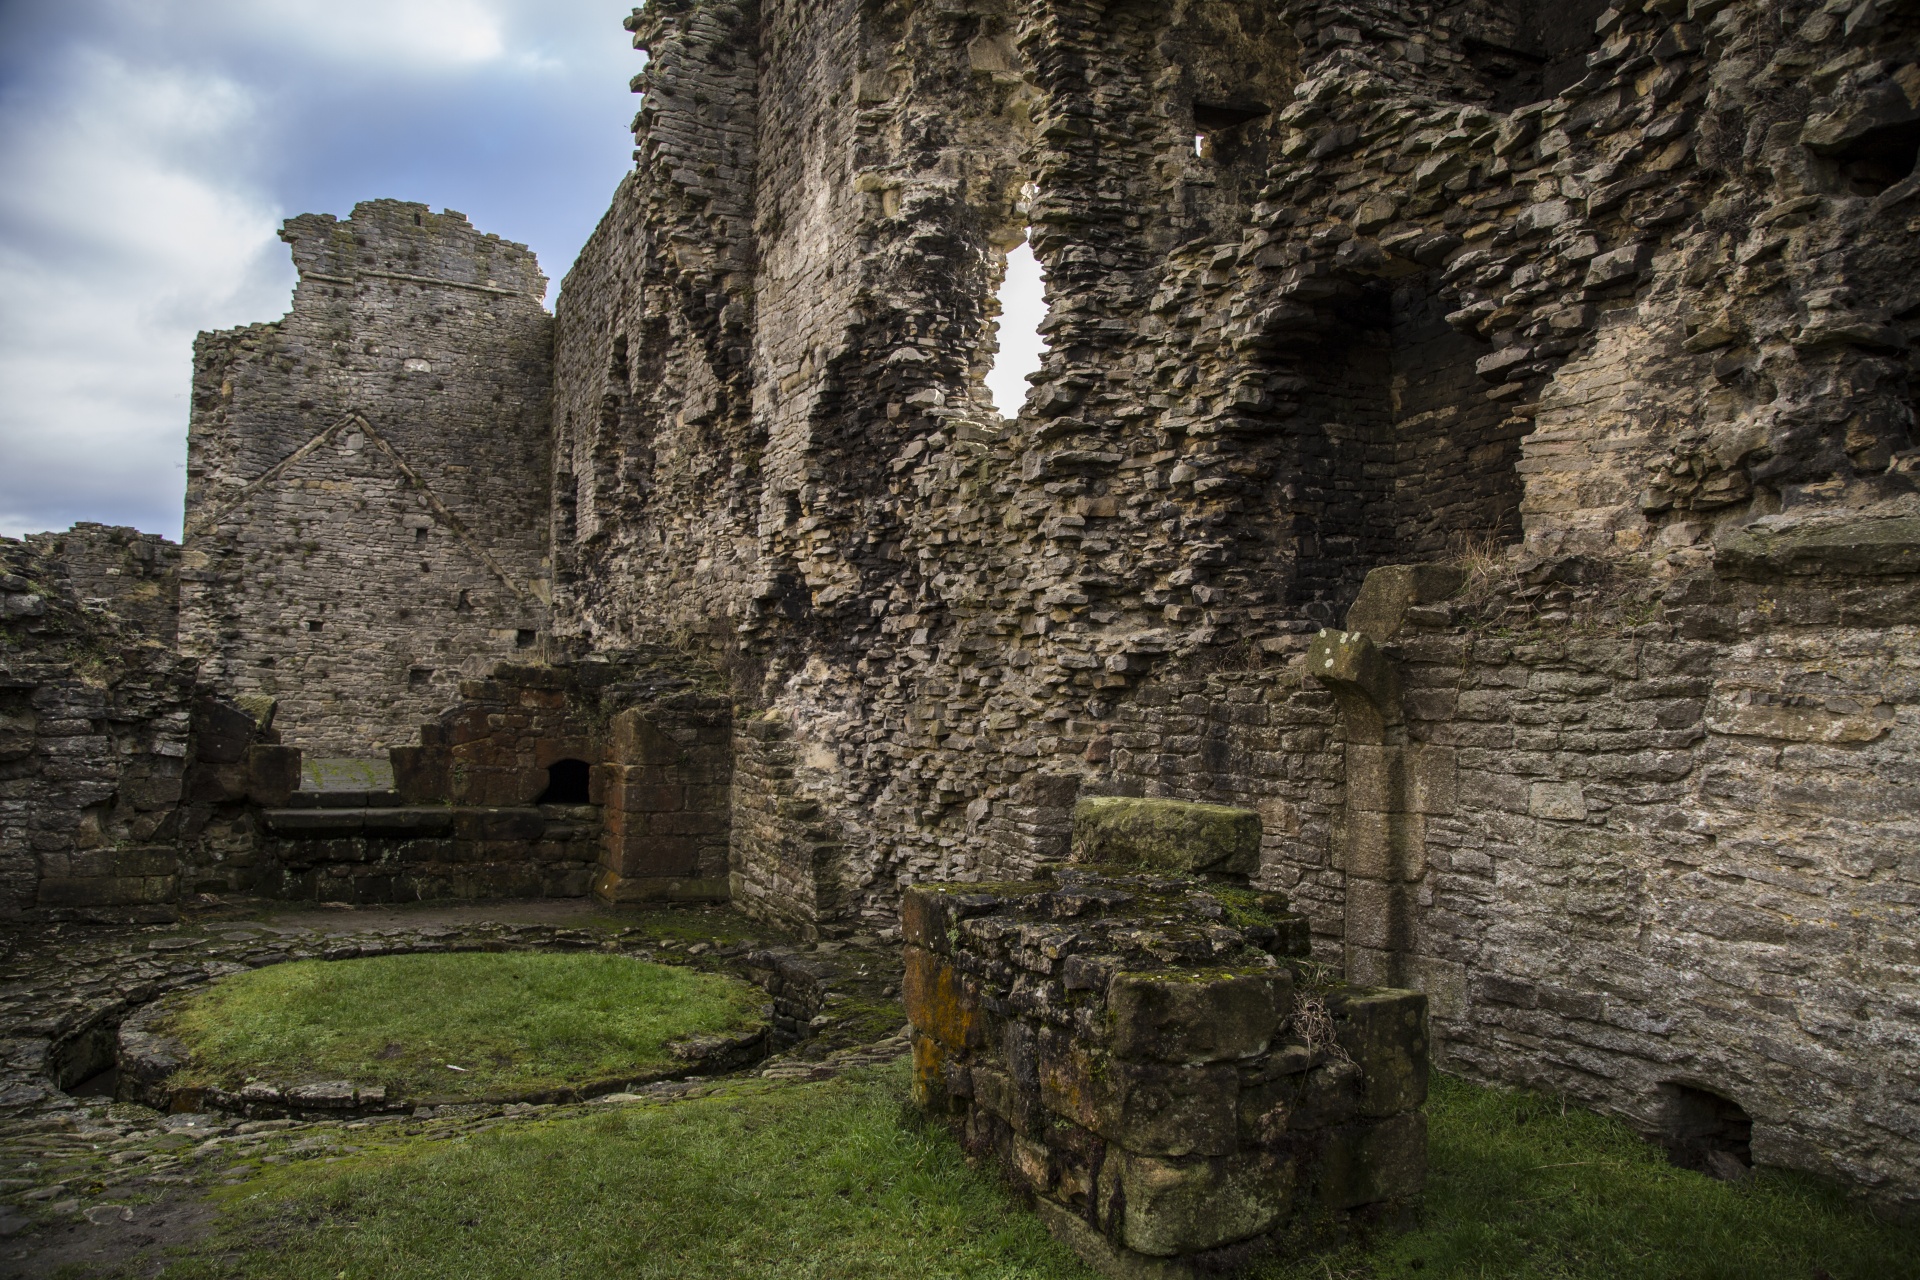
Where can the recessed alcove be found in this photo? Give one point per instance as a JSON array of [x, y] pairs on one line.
[[1402, 455], [1705, 1132], [567, 783]]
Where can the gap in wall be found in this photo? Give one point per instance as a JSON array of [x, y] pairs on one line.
[[1023, 305]]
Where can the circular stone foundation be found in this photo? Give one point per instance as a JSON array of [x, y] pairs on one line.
[[391, 1033]]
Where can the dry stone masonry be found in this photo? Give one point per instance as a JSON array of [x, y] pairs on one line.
[[1475, 437], [1152, 1058]]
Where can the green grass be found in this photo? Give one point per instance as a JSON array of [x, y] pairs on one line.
[[1520, 1186], [514, 1021], [807, 1182], [830, 1180]]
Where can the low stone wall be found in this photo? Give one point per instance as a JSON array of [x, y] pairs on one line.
[[1152, 1060], [362, 847]]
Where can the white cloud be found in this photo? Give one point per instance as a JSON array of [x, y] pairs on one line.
[[420, 33], [120, 238], [149, 150]]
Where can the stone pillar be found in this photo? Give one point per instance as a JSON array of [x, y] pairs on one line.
[[666, 792], [1393, 785]]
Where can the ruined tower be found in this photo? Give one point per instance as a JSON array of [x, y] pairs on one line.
[[366, 478]]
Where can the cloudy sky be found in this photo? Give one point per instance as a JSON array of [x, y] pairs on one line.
[[149, 150]]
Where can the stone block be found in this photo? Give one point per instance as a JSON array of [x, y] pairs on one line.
[[1184, 1206], [1380, 610], [1197, 1015], [1376, 778], [930, 1068], [1153, 1108], [1373, 1161], [494, 785], [612, 886], [105, 891], [938, 1001], [1385, 1032], [1166, 835], [222, 732], [1557, 801], [273, 774], [514, 824], [422, 775], [640, 853], [637, 740], [1366, 681], [930, 913], [1386, 846], [1865, 548], [639, 790], [217, 783], [1380, 914], [1433, 780]]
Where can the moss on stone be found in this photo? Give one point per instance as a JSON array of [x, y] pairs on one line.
[[1166, 835]]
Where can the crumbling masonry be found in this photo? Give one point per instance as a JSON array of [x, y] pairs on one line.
[[1586, 331]]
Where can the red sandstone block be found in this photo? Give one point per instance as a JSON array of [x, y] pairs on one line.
[[273, 774], [552, 746], [498, 787], [642, 791], [422, 775], [638, 740], [657, 856]]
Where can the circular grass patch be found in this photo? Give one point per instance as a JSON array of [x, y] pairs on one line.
[[455, 1025]]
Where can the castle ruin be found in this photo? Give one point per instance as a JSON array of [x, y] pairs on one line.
[[1475, 435]]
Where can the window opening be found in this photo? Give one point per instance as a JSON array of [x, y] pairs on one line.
[[1200, 145], [566, 783], [1023, 305]]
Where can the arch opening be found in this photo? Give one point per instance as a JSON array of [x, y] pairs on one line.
[[567, 783]]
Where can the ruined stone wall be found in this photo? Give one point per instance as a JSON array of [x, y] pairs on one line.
[[367, 500], [1656, 830], [1331, 285], [96, 737], [136, 574]]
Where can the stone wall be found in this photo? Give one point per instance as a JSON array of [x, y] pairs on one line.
[[1599, 311], [118, 770], [1332, 285], [367, 478], [1662, 837]]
